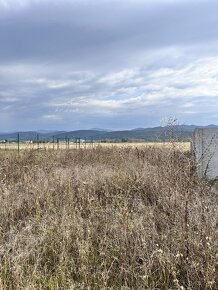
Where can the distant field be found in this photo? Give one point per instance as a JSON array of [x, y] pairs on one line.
[[183, 146]]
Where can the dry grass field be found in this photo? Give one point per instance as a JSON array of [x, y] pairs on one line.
[[106, 218], [183, 146]]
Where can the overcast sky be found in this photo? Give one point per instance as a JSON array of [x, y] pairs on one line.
[[114, 64]]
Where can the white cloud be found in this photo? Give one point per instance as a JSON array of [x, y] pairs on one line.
[[52, 117], [122, 90], [188, 105], [118, 77], [57, 92]]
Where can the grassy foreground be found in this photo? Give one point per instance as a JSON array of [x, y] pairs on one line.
[[106, 218]]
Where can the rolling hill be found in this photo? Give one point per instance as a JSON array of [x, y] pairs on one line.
[[179, 132]]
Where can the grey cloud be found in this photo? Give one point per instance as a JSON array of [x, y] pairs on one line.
[[111, 98], [107, 32], [114, 64]]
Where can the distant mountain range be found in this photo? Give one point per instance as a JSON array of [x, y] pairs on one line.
[[178, 132]]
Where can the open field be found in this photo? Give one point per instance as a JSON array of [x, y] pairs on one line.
[[106, 218], [183, 146]]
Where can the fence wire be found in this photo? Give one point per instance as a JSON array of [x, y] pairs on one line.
[[41, 144]]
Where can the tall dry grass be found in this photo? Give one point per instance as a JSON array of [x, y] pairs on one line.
[[106, 218]]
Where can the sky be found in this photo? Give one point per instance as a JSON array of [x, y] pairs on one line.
[[112, 64]]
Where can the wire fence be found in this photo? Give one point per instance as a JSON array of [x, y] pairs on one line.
[[19, 144]]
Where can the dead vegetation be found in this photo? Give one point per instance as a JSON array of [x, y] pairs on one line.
[[106, 218]]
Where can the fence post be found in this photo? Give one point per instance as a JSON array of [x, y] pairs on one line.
[[18, 142], [66, 141], [37, 141], [53, 140]]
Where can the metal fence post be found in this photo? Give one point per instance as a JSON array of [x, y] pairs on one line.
[[53, 140], [37, 139], [66, 141], [18, 142]]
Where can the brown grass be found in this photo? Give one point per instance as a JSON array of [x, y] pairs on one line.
[[106, 218], [182, 146]]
